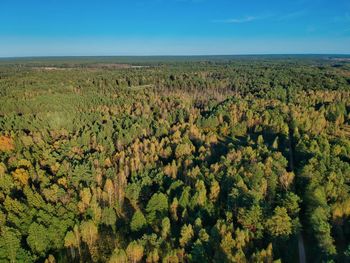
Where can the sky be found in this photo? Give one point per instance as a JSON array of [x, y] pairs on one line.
[[173, 27]]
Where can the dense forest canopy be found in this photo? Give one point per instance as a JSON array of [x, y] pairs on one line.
[[202, 159]]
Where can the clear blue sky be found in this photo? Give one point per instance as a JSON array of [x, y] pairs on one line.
[[173, 27]]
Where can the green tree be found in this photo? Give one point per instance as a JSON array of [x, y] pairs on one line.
[[37, 239], [138, 221], [109, 217], [157, 207], [165, 227], [280, 224], [9, 244]]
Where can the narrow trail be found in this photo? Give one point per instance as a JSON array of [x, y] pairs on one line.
[[301, 246]]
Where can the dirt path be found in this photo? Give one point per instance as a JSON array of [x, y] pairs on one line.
[[302, 257], [301, 246]]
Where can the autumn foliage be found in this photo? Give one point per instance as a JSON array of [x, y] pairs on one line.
[[6, 144], [216, 160]]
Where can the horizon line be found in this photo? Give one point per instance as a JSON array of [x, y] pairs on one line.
[[178, 55]]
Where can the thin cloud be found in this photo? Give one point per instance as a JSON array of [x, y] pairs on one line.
[[237, 20], [292, 15], [311, 29], [248, 19], [344, 18]]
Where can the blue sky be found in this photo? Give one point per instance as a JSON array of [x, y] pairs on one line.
[[173, 27]]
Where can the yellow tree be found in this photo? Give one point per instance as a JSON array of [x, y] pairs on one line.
[[186, 235], [214, 191], [286, 179], [134, 252], [21, 176], [173, 209], [72, 241], [118, 256], [85, 198], [6, 144], [120, 184], [109, 188], [153, 256], [89, 233]]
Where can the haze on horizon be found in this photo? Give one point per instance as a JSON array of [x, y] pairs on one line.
[[173, 27]]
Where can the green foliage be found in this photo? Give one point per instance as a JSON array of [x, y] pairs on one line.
[[9, 245], [138, 221], [279, 225], [37, 239], [118, 256], [166, 226], [109, 217], [190, 160], [157, 207]]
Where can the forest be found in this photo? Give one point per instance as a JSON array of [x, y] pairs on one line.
[[183, 159]]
